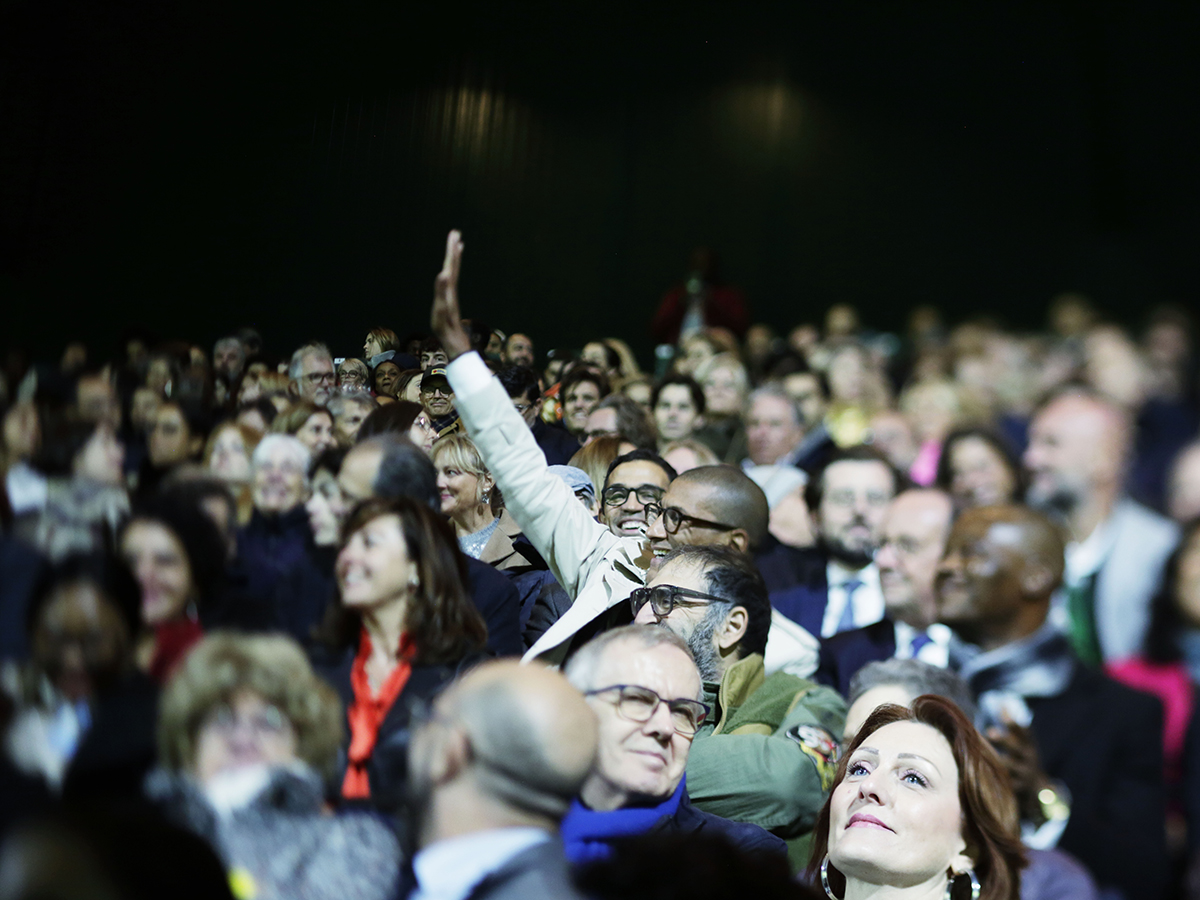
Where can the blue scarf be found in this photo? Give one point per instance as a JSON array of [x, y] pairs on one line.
[[587, 835]]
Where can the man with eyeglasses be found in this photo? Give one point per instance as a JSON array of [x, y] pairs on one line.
[[645, 690], [765, 755], [522, 386], [311, 375], [438, 399], [597, 567]]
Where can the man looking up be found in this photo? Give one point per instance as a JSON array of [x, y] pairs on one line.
[[1078, 454], [1054, 721], [766, 753], [914, 535], [521, 385], [310, 374], [492, 771], [597, 568], [645, 690], [839, 586]]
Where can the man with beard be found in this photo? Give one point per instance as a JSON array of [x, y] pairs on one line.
[[492, 770], [765, 753], [518, 350], [310, 374], [839, 588], [1077, 458]]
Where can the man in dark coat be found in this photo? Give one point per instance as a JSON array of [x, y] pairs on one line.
[[521, 385]]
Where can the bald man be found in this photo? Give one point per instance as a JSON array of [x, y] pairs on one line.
[[913, 537], [492, 772], [597, 568], [1084, 752], [1077, 459]]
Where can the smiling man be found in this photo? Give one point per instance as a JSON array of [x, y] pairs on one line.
[[645, 690], [635, 483]]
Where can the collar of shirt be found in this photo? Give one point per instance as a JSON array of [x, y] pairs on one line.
[[936, 652], [867, 601], [1087, 556], [449, 869]]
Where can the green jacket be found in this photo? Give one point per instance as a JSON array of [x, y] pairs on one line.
[[767, 752]]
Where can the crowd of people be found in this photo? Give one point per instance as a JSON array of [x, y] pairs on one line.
[[832, 611]]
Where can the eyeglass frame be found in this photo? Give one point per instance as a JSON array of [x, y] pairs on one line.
[[621, 688], [636, 491], [639, 597], [445, 391], [654, 510]]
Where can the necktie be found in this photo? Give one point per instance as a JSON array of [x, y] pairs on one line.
[[1081, 606], [847, 620], [919, 640]]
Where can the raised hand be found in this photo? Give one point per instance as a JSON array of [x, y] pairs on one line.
[[445, 318]]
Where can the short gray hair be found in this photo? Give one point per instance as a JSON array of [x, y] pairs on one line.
[[772, 389], [581, 668], [290, 445], [916, 677], [313, 348], [340, 399]]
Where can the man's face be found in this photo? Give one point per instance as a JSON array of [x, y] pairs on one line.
[[689, 618], [527, 408], [641, 760], [675, 413], [914, 536], [519, 351], [96, 400], [601, 423], [437, 397], [170, 441], [317, 378], [356, 479], [850, 518], [595, 355], [345, 426], [581, 398], [628, 518], [433, 358], [805, 389], [978, 583], [1065, 442], [771, 430], [228, 358], [691, 499], [278, 482]]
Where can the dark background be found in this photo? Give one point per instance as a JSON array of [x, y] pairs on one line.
[[194, 166]]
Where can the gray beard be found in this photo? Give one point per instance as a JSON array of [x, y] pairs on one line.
[[704, 648]]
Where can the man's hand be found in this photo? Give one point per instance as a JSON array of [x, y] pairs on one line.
[[1018, 751], [445, 318]]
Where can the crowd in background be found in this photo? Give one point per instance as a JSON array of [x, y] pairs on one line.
[[237, 585]]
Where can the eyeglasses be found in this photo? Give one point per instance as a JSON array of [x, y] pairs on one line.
[[266, 722], [444, 391], [638, 704], [673, 518], [665, 597], [320, 377], [617, 494], [522, 408]]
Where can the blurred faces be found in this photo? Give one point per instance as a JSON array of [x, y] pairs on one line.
[[915, 527], [601, 423], [896, 817], [356, 480], [978, 585], [171, 441], [246, 731], [1187, 581], [80, 640], [639, 761], [805, 388], [143, 408], [580, 400], [160, 564], [22, 431], [373, 567], [347, 422], [96, 400], [519, 351], [422, 433], [317, 433], [230, 460], [627, 518], [228, 359], [675, 413], [595, 354], [387, 376], [317, 378], [278, 482], [979, 475], [723, 392], [326, 509], [1183, 498], [772, 431], [527, 408], [102, 457], [850, 518]]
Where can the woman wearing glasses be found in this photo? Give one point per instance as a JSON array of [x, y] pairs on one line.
[[247, 737]]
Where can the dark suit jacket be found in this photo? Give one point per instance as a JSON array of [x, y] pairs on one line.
[[1104, 741], [805, 591], [498, 602], [539, 873], [557, 444], [844, 654]]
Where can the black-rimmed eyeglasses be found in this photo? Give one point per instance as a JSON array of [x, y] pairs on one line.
[[638, 704], [665, 597], [617, 494], [673, 519]]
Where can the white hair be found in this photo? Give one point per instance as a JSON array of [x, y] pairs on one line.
[[287, 444], [296, 366]]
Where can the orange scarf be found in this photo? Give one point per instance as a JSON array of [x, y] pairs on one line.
[[367, 713]]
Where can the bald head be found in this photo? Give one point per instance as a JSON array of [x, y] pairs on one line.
[[1078, 447], [731, 496], [532, 734], [1183, 497], [913, 537]]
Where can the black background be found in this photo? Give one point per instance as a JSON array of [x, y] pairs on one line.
[[194, 166]]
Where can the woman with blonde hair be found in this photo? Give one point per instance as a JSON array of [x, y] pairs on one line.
[[227, 455], [248, 736]]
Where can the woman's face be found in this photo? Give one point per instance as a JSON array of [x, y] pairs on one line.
[[101, 458], [460, 491], [317, 433], [581, 399], [371, 346], [978, 474], [350, 378], [386, 376], [229, 461], [696, 350], [722, 396], [170, 441], [1187, 581], [325, 508], [80, 640], [421, 433], [373, 568], [158, 375], [412, 390], [22, 432], [246, 731], [161, 567], [896, 818]]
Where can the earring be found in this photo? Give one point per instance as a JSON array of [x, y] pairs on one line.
[[825, 878], [970, 873]]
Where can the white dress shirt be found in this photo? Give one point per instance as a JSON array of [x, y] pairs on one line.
[[866, 604], [450, 869]]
